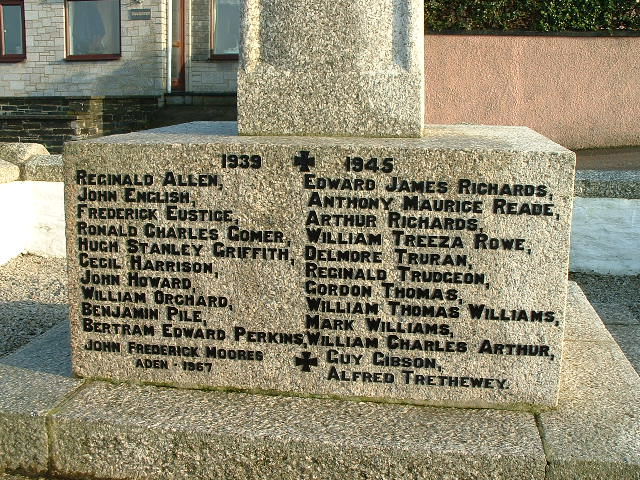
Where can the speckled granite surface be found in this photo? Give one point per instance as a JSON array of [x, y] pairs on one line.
[[357, 69], [522, 250], [95, 431]]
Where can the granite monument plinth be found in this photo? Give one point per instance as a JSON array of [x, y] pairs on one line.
[[428, 271], [306, 250]]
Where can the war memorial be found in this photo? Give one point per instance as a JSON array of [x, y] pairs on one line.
[[336, 289]]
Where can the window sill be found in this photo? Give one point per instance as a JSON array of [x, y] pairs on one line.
[[12, 59], [92, 58], [224, 58]]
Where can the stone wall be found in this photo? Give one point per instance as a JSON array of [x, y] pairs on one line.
[[55, 120], [579, 91], [204, 75], [141, 70]]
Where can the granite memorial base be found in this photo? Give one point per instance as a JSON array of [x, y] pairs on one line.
[[423, 270], [57, 427]]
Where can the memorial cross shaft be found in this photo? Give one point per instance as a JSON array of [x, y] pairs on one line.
[[348, 68]]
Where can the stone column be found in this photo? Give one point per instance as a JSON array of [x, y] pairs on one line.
[[332, 68]]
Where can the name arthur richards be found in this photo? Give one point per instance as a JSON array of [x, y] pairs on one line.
[[349, 270]]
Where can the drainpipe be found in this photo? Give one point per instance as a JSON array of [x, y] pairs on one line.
[[169, 42]]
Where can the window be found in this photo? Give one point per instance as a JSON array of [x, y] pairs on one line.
[[12, 47], [93, 29], [225, 29]]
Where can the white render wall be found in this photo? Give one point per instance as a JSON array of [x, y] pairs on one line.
[[605, 236], [36, 222], [140, 70]]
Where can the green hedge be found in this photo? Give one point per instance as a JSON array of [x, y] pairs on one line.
[[532, 15]]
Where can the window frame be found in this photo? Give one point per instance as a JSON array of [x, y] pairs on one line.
[[219, 57], [95, 56], [12, 57]]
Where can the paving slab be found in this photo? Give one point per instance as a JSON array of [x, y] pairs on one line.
[[26, 397], [48, 353], [178, 433], [595, 431]]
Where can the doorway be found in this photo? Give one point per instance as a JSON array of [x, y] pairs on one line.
[[178, 57]]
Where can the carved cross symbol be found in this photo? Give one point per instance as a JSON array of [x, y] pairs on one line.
[[306, 361], [304, 161]]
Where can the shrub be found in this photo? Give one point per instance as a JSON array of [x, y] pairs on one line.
[[533, 15]]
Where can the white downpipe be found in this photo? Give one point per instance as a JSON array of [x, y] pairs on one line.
[[169, 42]]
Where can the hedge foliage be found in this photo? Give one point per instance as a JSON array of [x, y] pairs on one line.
[[532, 15]]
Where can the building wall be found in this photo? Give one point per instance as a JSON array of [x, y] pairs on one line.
[[55, 120], [582, 92], [204, 75], [140, 70]]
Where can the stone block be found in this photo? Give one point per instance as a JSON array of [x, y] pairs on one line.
[[429, 271], [25, 399], [9, 172], [595, 431], [44, 168], [357, 69], [174, 434], [19, 153]]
